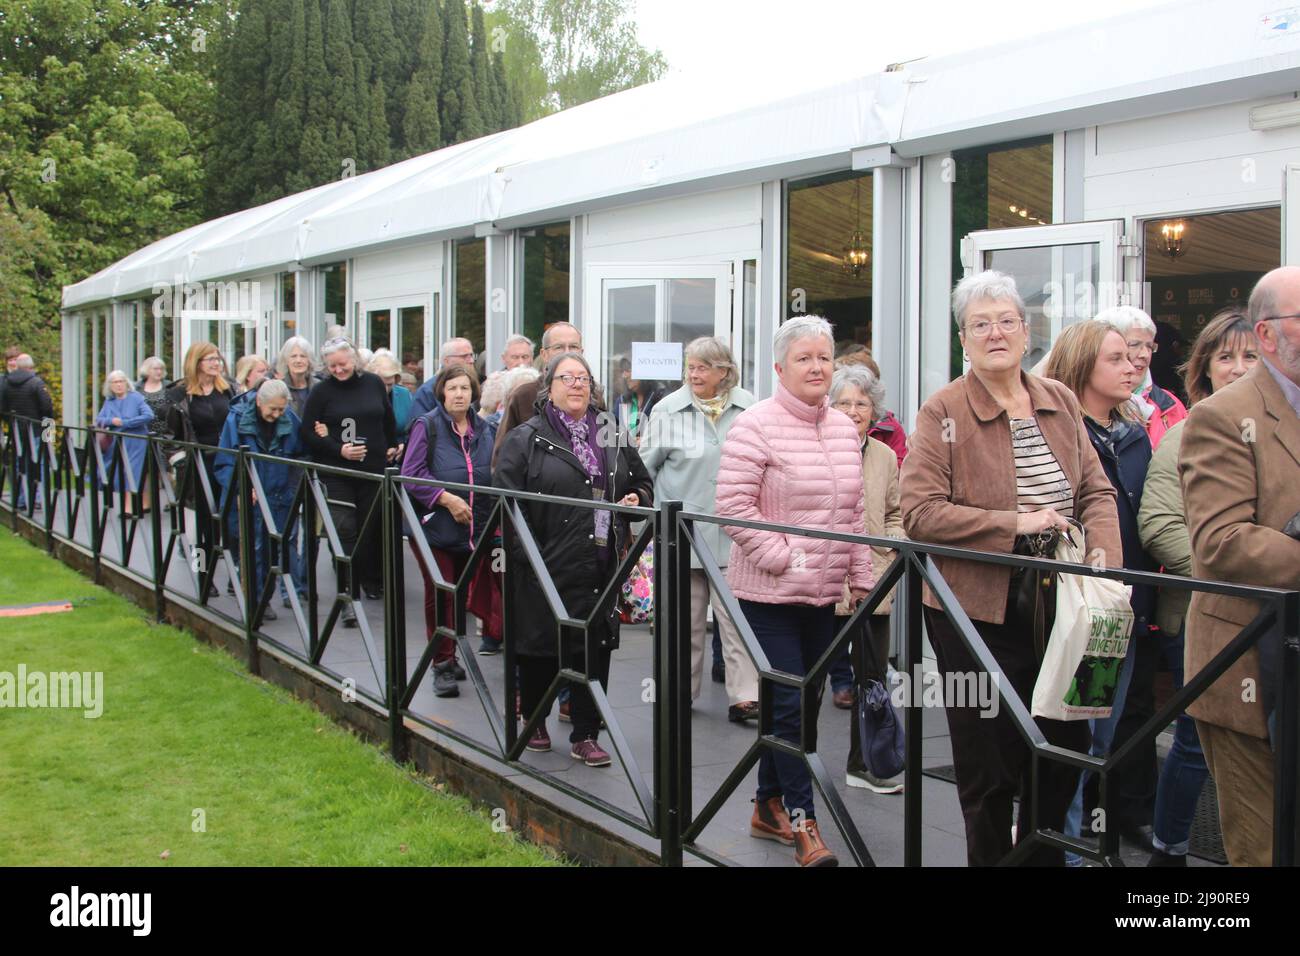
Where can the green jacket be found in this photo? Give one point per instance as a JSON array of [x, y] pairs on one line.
[[1162, 526], [682, 450]]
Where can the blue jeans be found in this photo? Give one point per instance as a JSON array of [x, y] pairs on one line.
[[793, 636], [1183, 774], [1103, 732]]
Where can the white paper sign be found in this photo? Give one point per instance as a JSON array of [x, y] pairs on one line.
[[657, 361]]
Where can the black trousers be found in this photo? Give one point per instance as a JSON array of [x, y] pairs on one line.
[[350, 500], [536, 674], [1135, 782], [866, 667], [992, 760]]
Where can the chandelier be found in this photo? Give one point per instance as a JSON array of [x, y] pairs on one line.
[[856, 255]]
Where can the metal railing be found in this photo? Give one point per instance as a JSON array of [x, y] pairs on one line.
[[61, 467]]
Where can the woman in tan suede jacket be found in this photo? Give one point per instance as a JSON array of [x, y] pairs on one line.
[[996, 454]]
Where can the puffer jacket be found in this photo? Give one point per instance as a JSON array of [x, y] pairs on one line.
[[788, 462]]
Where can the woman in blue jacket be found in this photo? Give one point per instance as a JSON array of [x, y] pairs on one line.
[[124, 411], [1091, 358], [453, 443], [267, 426]]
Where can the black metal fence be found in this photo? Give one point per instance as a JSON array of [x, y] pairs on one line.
[[174, 528]]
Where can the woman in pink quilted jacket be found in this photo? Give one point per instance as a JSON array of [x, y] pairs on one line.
[[793, 460]]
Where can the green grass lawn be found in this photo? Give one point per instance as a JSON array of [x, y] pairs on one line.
[[185, 728]]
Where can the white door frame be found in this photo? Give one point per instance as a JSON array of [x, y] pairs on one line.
[[624, 275], [1291, 214], [394, 305], [1106, 234]]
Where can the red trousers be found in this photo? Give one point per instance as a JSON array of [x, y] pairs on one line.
[[484, 598]]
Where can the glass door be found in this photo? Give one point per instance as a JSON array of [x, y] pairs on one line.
[[659, 303], [1065, 273], [402, 325]]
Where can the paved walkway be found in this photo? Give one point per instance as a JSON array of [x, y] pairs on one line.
[[717, 745]]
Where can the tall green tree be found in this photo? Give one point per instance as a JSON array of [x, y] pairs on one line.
[[421, 127], [588, 48], [343, 109], [460, 115], [107, 108]]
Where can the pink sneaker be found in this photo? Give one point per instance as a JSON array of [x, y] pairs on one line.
[[540, 741], [589, 752]]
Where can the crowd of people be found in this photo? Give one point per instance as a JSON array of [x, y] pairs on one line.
[[999, 461]]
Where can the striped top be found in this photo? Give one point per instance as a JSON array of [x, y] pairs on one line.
[[1040, 483]]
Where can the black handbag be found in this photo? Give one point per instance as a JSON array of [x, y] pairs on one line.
[[880, 732], [1034, 589]]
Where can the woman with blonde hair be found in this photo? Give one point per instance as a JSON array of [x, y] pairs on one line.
[[250, 372], [200, 402], [152, 386], [1092, 359], [385, 366]]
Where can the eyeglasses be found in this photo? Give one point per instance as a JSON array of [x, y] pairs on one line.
[[1278, 318], [557, 349], [574, 381], [847, 406], [1152, 347], [1007, 324], [466, 356], [212, 358]]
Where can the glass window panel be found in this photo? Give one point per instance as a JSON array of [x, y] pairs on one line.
[[380, 322], [545, 293], [470, 308], [829, 254], [88, 366], [410, 347], [336, 294], [998, 187], [148, 333], [1057, 284], [630, 313]]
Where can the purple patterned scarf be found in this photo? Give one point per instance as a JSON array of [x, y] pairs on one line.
[[580, 431]]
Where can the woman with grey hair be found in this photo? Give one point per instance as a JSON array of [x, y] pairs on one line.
[[682, 448], [296, 367], [152, 386], [792, 460], [569, 449], [1000, 459], [858, 393], [127, 413], [1160, 409]]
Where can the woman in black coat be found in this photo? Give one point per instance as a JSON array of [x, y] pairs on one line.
[[348, 422], [566, 450]]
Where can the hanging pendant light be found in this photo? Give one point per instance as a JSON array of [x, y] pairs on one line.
[[856, 255]]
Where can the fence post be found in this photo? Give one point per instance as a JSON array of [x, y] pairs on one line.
[[394, 613], [153, 481], [96, 535], [51, 473], [669, 747], [1286, 826], [908, 601], [247, 560], [11, 470]]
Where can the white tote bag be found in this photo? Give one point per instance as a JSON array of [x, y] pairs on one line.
[[1088, 643]]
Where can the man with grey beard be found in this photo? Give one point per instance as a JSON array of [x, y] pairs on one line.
[[1240, 472]]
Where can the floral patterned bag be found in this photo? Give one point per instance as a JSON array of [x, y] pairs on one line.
[[637, 605]]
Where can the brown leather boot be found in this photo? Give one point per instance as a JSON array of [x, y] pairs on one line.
[[809, 850], [771, 822]]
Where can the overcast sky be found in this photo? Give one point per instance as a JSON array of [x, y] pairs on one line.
[[718, 39]]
